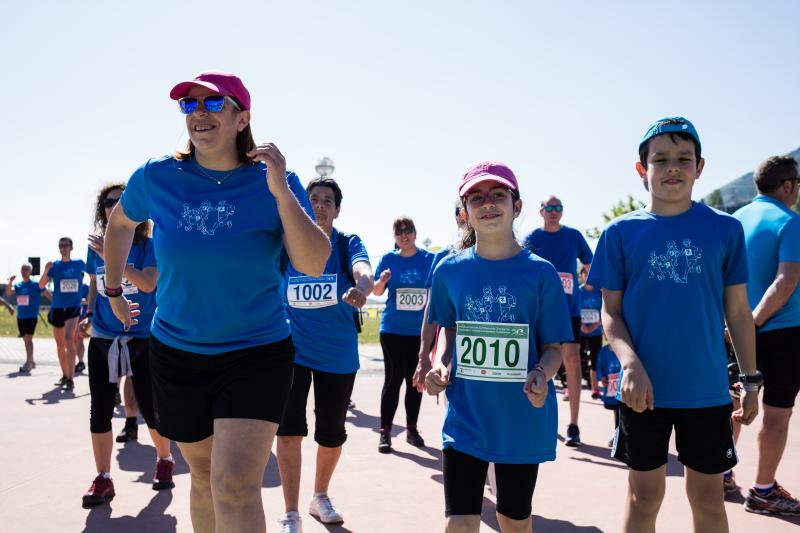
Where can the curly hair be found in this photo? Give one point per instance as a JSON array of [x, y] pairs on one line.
[[101, 222]]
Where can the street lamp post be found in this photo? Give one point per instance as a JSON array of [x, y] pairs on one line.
[[325, 167]]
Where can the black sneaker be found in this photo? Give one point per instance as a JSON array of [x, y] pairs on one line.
[[68, 385], [385, 442], [128, 433], [573, 439], [414, 438], [60, 382], [117, 398], [80, 367]]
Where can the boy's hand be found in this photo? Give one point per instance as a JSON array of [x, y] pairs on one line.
[[749, 409], [536, 387], [636, 390], [423, 367], [437, 380]]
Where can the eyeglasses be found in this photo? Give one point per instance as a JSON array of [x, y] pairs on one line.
[[403, 231], [212, 103], [64, 245], [550, 208], [477, 199], [108, 203]]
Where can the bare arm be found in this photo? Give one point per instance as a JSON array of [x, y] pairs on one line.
[[381, 282], [743, 337], [536, 384], [362, 274], [116, 246], [45, 279], [437, 379], [778, 293], [7, 306], [636, 390], [427, 338], [10, 286], [145, 280]]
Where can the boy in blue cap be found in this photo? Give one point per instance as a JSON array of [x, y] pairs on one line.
[[672, 275]]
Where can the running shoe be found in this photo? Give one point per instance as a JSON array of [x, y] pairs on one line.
[[729, 482], [323, 509], [777, 502], [60, 382], [611, 442], [101, 491], [68, 385], [117, 398], [351, 404], [26, 368], [291, 523], [573, 436], [80, 367], [414, 438], [385, 442], [128, 433], [163, 478], [595, 394]]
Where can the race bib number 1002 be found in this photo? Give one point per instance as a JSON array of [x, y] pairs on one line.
[[305, 292], [489, 351], [411, 299]]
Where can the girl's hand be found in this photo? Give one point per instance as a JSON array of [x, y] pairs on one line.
[[96, 244], [386, 275], [536, 387], [437, 380], [269, 154], [125, 310]]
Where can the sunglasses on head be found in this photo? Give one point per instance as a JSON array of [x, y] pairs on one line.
[[108, 203], [212, 103], [404, 231], [550, 208]]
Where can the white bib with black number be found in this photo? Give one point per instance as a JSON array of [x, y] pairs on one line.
[[68, 285], [23, 300], [305, 292], [100, 279], [489, 351], [590, 316], [567, 282], [411, 299]]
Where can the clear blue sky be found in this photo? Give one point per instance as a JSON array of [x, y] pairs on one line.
[[404, 96]]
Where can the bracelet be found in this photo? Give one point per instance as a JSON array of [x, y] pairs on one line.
[[541, 369], [113, 293], [752, 388], [88, 315]]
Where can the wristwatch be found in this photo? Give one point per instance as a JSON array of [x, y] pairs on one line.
[[754, 379]]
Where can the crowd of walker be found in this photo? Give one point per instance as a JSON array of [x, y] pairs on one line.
[[488, 321]]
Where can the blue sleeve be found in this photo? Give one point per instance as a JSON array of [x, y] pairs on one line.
[[789, 249], [300, 193], [442, 309], [90, 268], [734, 267], [381, 266], [527, 242], [602, 362], [608, 267], [136, 197], [553, 321], [83, 266], [585, 252], [149, 254], [357, 250], [436, 260]]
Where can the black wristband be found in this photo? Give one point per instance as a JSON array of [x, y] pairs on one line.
[[89, 314], [755, 379], [113, 293]]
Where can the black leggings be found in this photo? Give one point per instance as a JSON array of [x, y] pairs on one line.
[[103, 392], [400, 358]]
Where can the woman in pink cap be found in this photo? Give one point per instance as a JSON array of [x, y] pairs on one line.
[[220, 351], [504, 318]]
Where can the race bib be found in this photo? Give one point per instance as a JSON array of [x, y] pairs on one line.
[[590, 316], [100, 279], [613, 385], [411, 299], [68, 285], [489, 351], [567, 282], [305, 292], [23, 300]]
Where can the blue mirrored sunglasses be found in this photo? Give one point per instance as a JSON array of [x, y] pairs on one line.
[[550, 208], [212, 103]]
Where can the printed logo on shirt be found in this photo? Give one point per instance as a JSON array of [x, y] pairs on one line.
[[410, 276], [206, 219], [490, 307], [677, 263]]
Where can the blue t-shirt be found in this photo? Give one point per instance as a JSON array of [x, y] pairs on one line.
[[772, 236], [437, 258], [673, 271], [28, 295], [494, 420], [67, 280], [104, 323], [590, 302], [405, 304], [608, 368], [323, 331], [85, 295], [218, 249], [562, 248]]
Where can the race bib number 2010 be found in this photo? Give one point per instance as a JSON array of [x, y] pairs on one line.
[[489, 351], [305, 292]]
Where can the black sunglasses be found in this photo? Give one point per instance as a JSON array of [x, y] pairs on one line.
[[108, 203], [404, 231]]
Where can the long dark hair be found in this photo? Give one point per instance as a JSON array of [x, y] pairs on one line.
[[468, 236], [101, 222]]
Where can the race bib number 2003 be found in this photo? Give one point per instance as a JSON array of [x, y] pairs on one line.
[[411, 299], [489, 351]]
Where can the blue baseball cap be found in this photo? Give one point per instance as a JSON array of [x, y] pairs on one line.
[[674, 124]]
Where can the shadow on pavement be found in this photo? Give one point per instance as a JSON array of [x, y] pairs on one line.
[[137, 457], [151, 518], [12, 375], [360, 419], [54, 396], [272, 476], [434, 462], [549, 525]]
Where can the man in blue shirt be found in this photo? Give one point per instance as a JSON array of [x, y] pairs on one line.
[[563, 247], [28, 294], [772, 237]]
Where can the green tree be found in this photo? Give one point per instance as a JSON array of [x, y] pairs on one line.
[[617, 210], [715, 200]]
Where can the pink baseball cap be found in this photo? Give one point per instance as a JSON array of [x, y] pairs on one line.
[[487, 171], [220, 82]]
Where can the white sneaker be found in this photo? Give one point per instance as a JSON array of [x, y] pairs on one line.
[[291, 523], [322, 508]]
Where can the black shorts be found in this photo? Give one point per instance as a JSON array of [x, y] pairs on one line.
[[576, 330], [191, 390], [58, 316], [703, 437], [27, 326], [592, 345], [465, 477], [778, 359], [331, 398]]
